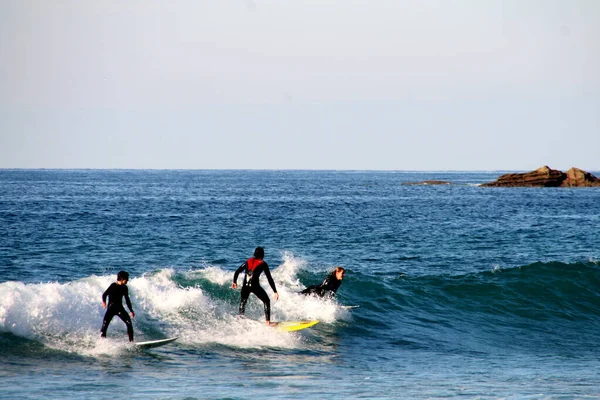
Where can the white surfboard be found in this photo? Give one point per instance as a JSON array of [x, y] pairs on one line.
[[154, 343], [349, 307]]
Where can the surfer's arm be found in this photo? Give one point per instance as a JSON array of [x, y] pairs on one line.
[[271, 282], [235, 275], [128, 301], [105, 295]]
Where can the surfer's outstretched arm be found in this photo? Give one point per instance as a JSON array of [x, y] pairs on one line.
[[236, 274]]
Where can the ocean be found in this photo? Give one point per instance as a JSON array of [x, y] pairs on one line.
[[463, 291]]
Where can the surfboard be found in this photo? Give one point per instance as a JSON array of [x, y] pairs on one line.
[[291, 326], [154, 343], [349, 307]]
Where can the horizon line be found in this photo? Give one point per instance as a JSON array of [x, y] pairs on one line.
[[270, 169]]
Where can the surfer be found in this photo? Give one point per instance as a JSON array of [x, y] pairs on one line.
[[115, 293], [331, 283], [254, 267]]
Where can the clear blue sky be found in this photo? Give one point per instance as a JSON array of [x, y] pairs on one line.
[[323, 84]]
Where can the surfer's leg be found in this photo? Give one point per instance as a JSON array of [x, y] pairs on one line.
[[310, 290], [107, 318], [262, 295], [244, 298], [125, 317]]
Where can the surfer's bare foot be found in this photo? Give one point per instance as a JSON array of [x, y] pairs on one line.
[[269, 323]]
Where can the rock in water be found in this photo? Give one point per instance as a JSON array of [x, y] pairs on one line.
[[541, 177], [547, 177], [580, 178]]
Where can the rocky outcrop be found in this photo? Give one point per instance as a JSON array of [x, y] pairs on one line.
[[547, 177], [579, 178], [541, 177]]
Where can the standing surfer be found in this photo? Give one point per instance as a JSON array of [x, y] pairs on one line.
[[115, 293], [253, 267], [331, 283]]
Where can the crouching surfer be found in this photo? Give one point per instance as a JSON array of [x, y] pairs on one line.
[[331, 284], [253, 267], [115, 293]]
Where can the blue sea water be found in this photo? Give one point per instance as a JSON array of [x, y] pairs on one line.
[[464, 291]]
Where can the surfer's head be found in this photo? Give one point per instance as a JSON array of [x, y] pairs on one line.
[[339, 273], [122, 276], [259, 253]]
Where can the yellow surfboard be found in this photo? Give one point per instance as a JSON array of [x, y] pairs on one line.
[[290, 326]]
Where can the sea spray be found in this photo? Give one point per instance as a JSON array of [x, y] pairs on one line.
[[190, 305]]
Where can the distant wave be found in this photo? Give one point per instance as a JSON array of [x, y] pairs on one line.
[[538, 307], [536, 291]]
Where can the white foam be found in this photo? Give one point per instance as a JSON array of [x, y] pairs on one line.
[[158, 295], [68, 316], [215, 275], [59, 315]]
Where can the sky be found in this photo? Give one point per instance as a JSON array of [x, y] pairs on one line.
[[427, 85]]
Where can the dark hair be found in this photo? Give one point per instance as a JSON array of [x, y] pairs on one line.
[[259, 252], [123, 276]]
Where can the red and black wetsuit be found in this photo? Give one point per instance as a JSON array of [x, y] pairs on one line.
[[254, 267], [115, 293]]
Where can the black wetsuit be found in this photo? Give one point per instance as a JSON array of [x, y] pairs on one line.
[[254, 267], [115, 293], [330, 283]]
